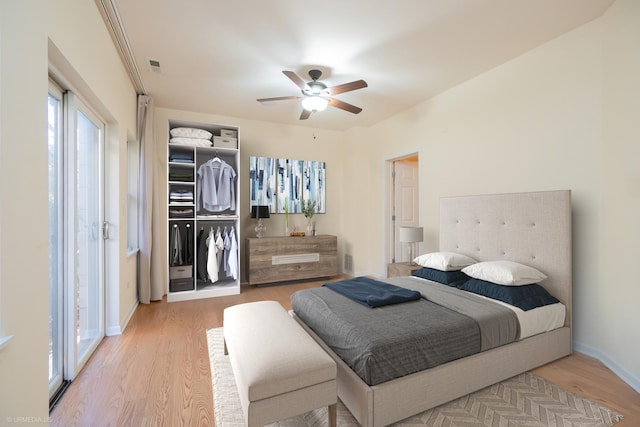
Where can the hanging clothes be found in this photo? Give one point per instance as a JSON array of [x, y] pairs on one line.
[[202, 255], [187, 246], [219, 249], [176, 246], [227, 248], [215, 186], [233, 255], [212, 267]]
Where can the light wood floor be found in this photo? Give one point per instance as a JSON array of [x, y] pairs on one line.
[[157, 372]]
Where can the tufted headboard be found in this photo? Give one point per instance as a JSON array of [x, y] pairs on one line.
[[529, 228]]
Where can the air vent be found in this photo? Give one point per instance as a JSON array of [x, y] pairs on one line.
[[348, 262], [154, 65]]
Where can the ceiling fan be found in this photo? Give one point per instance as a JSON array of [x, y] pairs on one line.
[[317, 95]]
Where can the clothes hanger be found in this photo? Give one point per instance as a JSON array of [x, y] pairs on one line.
[[216, 159]]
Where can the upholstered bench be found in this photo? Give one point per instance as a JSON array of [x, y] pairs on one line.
[[280, 371]]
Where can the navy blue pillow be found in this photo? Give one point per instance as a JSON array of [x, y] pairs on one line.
[[524, 297], [451, 278]]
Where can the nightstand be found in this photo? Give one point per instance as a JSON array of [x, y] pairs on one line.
[[395, 269]]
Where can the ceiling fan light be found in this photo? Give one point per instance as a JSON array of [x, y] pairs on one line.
[[314, 103]]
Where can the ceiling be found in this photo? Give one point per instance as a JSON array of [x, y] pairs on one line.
[[218, 56]]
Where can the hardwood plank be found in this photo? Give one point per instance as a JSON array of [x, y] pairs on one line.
[[588, 377], [157, 372]]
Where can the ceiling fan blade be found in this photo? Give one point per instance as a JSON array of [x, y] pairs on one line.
[[278, 98], [344, 106], [297, 80], [305, 114], [347, 87]]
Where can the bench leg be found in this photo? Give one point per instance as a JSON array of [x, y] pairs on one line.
[[226, 352], [333, 415]]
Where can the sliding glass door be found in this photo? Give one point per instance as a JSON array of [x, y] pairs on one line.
[[85, 228], [76, 245]]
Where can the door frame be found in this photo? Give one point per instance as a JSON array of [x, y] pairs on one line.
[[389, 202], [57, 313]]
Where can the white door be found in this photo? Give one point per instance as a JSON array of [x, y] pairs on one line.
[[84, 224], [76, 246], [405, 202]]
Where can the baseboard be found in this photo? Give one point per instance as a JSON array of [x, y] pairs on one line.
[[373, 275], [114, 330], [118, 330], [617, 369]]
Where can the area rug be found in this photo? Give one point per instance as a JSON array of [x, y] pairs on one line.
[[524, 400]]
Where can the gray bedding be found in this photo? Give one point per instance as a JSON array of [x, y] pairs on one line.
[[498, 325], [388, 342]]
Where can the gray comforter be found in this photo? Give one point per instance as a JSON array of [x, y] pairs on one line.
[[384, 343]]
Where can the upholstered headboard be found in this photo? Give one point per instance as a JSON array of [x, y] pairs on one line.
[[529, 228]]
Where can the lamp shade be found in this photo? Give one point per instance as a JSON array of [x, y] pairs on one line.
[[314, 103], [259, 211], [411, 234]]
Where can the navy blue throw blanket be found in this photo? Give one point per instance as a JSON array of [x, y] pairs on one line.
[[372, 293]]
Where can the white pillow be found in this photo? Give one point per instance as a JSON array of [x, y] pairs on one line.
[[444, 261], [190, 133], [506, 273]]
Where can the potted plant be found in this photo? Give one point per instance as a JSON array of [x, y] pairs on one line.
[[309, 209]]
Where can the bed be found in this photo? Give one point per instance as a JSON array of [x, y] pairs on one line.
[[530, 228]]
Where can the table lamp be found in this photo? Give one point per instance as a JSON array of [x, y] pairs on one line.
[[411, 236], [260, 212]]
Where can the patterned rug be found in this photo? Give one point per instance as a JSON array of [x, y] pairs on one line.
[[524, 400]]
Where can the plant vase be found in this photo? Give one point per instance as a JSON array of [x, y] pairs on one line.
[[309, 209]]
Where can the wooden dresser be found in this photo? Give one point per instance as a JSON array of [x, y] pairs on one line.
[[279, 259]]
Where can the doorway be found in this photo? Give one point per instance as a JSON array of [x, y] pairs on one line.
[[403, 201], [76, 244]]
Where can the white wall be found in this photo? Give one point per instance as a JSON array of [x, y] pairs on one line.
[[73, 37], [562, 116], [617, 340], [23, 183], [511, 129]]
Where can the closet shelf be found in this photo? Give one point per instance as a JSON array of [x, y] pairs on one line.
[[219, 150], [217, 217], [221, 284]]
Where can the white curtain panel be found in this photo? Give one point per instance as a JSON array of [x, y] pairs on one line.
[[151, 274]]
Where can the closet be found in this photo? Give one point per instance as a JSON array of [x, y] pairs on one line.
[[203, 245]]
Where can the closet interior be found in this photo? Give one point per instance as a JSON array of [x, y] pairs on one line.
[[203, 245]]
